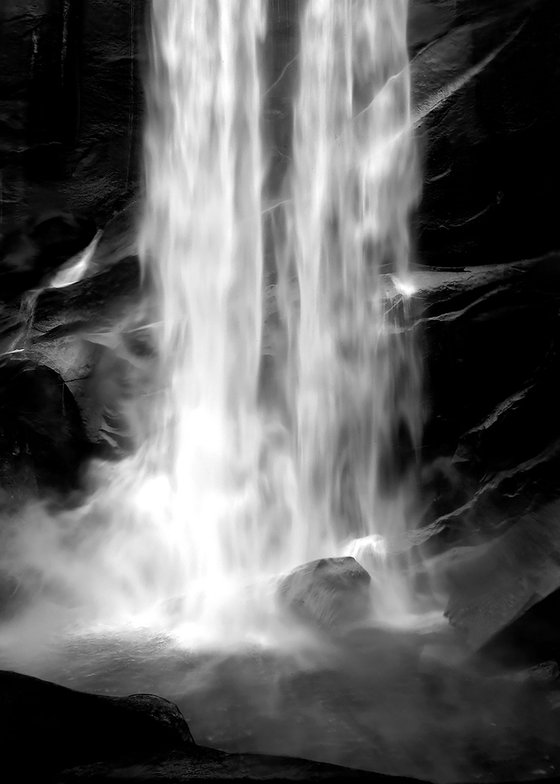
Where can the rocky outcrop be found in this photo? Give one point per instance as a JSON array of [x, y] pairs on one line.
[[71, 107], [484, 76], [45, 727], [491, 452], [491, 341], [332, 594], [485, 109], [492, 584], [30, 254]]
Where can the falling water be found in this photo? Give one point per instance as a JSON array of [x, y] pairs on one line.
[[202, 249], [254, 485], [243, 468], [352, 375]]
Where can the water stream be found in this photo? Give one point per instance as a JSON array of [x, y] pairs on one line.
[[280, 418], [238, 484]]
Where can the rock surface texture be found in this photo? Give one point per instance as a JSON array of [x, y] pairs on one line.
[[332, 594], [70, 114], [487, 109]]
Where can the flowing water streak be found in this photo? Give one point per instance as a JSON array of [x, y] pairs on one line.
[[201, 245], [352, 381]]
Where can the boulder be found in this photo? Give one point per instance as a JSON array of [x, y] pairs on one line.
[[331, 594], [45, 727], [43, 444]]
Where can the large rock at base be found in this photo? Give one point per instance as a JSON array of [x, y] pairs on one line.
[[330, 593], [45, 727]]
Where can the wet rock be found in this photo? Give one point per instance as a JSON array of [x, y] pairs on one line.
[[43, 443], [530, 640], [491, 338], [70, 116], [331, 593], [119, 239], [428, 21], [87, 333], [31, 253], [493, 584], [483, 79], [102, 301], [71, 119], [45, 727]]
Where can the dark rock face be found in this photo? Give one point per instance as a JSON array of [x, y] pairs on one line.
[[486, 111], [492, 339], [484, 77], [69, 117], [532, 641], [45, 727], [491, 453], [491, 585], [28, 255], [331, 593], [92, 303], [43, 440]]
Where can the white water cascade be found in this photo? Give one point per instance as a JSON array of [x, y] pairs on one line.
[[354, 373], [244, 470], [256, 487]]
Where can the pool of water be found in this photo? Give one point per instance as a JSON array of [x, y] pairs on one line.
[[397, 702]]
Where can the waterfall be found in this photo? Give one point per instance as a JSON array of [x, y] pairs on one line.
[[352, 376], [255, 485], [201, 241], [281, 415]]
